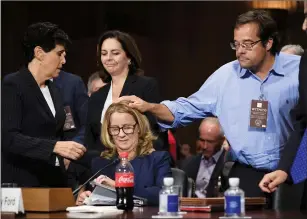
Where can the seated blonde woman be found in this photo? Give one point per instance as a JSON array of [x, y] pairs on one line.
[[127, 130]]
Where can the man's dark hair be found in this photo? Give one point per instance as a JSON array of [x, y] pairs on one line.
[[43, 34], [267, 27], [128, 45]]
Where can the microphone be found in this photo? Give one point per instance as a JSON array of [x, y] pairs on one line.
[[93, 176]]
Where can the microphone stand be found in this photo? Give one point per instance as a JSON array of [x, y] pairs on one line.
[[93, 176]]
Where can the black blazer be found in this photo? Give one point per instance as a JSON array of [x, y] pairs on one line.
[[141, 86], [300, 112], [74, 94], [30, 132], [192, 166]]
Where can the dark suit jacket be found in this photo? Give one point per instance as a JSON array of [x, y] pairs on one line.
[[192, 166], [300, 125], [141, 86], [74, 94], [30, 132], [149, 172]]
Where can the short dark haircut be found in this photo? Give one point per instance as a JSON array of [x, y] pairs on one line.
[[267, 27], [43, 34], [128, 45]]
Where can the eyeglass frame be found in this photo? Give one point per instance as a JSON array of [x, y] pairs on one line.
[[252, 44], [122, 128]]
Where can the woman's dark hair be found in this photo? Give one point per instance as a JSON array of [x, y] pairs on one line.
[[128, 45], [43, 34], [267, 27]]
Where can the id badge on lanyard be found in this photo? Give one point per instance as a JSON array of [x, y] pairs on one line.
[[69, 121], [259, 113]]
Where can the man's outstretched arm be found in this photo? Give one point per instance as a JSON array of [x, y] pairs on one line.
[[158, 110]]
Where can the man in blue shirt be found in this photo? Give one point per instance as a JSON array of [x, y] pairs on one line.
[[252, 97]]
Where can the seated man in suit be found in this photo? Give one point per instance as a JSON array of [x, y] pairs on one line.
[[205, 168], [293, 49], [94, 83]]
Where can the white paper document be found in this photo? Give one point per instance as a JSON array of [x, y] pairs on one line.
[[105, 195], [92, 209]]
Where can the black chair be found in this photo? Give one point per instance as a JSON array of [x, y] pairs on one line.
[[288, 197], [180, 179]]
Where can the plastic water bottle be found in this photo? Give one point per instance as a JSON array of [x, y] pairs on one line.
[[168, 198], [234, 199]]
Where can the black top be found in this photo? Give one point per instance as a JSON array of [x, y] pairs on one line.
[[144, 87], [300, 112]]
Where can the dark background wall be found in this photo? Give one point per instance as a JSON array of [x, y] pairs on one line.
[[182, 43]]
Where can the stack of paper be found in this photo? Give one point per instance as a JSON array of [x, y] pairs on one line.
[[105, 195], [89, 209]]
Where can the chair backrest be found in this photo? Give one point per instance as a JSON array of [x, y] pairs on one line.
[[227, 168], [180, 179], [191, 188], [225, 175]]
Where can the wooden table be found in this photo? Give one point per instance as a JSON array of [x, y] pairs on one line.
[[147, 212]]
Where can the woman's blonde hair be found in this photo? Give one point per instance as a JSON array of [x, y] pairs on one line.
[[145, 145]]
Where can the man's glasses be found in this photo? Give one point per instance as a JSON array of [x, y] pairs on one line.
[[127, 129], [244, 45]]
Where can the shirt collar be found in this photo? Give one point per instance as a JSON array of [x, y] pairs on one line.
[[277, 68], [216, 156]]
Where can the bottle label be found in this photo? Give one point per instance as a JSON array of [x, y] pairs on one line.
[[233, 204], [124, 180], [172, 203], [163, 203]]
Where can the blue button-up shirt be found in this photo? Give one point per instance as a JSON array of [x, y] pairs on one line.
[[228, 93]]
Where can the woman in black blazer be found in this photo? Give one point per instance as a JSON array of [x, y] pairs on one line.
[[119, 60], [33, 114]]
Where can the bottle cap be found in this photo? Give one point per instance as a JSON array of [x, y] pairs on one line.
[[234, 182], [168, 181], [123, 154]]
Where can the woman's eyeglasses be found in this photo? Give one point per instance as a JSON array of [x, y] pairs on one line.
[[127, 129]]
